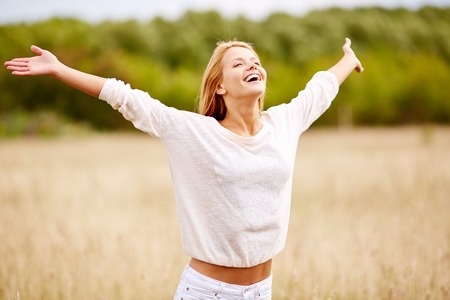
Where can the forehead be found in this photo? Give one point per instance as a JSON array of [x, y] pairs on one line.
[[235, 53]]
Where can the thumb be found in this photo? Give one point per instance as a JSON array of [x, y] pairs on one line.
[[348, 42], [37, 50]]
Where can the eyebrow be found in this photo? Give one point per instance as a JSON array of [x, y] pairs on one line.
[[241, 58], [254, 58]]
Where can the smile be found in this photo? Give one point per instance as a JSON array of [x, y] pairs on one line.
[[252, 77]]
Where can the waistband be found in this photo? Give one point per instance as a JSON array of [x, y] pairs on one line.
[[193, 277]]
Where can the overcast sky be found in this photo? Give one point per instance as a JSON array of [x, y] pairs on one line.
[[12, 11]]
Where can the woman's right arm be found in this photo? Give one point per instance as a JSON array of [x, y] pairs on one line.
[[137, 106], [45, 63]]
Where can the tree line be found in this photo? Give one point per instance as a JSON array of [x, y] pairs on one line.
[[406, 55]]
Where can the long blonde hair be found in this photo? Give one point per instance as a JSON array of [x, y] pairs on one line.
[[210, 103]]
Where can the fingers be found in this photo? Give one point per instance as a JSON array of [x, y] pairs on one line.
[[21, 73], [36, 50], [16, 63], [348, 51], [24, 60], [40, 64], [347, 44], [359, 68], [19, 70], [18, 60], [18, 66]]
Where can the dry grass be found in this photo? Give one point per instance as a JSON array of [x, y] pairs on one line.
[[94, 218]]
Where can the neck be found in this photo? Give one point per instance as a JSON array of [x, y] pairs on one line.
[[243, 121]]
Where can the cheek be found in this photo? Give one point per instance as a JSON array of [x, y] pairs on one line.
[[263, 71], [231, 78]]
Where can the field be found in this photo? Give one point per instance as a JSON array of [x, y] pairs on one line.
[[93, 217]]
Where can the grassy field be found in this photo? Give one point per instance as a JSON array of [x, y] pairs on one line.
[[93, 217]]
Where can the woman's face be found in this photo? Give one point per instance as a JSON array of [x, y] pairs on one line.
[[243, 75]]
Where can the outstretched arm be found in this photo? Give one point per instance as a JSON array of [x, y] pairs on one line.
[[347, 64], [45, 63]]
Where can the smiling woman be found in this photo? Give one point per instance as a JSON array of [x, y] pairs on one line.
[[231, 164], [244, 79], [231, 65]]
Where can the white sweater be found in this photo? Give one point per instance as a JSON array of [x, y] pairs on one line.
[[233, 193]]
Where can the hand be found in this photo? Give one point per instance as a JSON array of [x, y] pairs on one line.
[[44, 63], [349, 53]]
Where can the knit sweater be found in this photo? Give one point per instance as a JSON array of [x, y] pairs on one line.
[[233, 193]]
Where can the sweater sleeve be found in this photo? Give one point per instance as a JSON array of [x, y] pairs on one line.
[[315, 99], [310, 103], [135, 105]]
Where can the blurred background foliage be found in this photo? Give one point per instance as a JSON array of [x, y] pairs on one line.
[[406, 55]]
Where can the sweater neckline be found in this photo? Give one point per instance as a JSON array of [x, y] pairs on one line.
[[239, 138]]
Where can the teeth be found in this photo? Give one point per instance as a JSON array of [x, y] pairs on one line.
[[252, 77]]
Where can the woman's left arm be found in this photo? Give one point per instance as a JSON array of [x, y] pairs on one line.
[[349, 62]]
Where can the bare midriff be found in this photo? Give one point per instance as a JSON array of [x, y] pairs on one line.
[[240, 276]]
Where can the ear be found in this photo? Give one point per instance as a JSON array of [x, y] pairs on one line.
[[220, 90]]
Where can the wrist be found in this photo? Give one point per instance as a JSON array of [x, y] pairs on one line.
[[58, 70]]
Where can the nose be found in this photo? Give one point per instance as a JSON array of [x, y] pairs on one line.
[[252, 65]]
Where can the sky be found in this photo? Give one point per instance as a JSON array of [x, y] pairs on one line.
[[13, 11]]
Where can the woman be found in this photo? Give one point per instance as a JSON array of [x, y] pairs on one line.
[[231, 164]]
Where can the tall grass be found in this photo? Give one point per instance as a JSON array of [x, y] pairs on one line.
[[94, 218]]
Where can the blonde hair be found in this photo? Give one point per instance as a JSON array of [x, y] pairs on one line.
[[211, 104]]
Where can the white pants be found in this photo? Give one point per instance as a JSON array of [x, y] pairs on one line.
[[194, 285]]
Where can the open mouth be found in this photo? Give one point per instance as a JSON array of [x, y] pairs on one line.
[[252, 78]]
